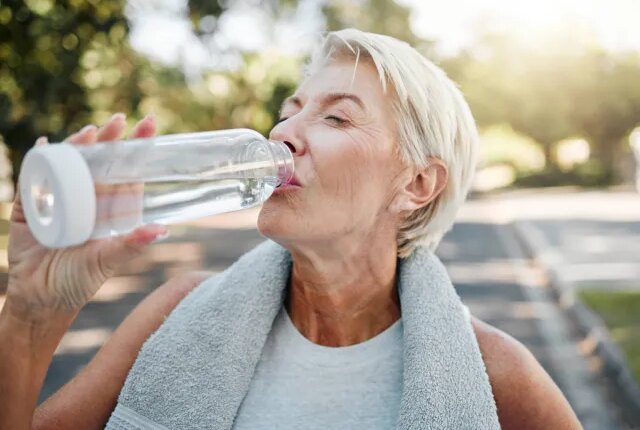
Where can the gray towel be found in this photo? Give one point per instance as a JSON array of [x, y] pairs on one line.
[[195, 370]]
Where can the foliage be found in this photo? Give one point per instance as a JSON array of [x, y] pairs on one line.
[[502, 145], [589, 174], [553, 90], [67, 63], [606, 93], [620, 311], [504, 82], [378, 16], [51, 53], [247, 97]]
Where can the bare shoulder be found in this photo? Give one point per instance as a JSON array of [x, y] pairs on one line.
[[97, 386], [526, 397]]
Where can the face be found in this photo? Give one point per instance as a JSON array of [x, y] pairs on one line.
[[340, 129]]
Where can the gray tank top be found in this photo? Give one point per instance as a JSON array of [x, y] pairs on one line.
[[302, 385]]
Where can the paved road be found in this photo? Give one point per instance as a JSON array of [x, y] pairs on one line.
[[591, 238], [484, 260], [591, 253], [503, 287]]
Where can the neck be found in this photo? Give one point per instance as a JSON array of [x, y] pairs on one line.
[[339, 298]]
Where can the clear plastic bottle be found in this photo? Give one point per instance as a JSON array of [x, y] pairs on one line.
[[73, 193]]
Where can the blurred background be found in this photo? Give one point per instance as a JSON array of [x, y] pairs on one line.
[[547, 248]]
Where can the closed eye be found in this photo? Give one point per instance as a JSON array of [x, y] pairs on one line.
[[281, 120], [336, 120]]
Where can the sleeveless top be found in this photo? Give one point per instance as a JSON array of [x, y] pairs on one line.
[[300, 384]]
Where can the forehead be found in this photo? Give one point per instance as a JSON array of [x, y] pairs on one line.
[[343, 76]]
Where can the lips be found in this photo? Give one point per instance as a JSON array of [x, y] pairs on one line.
[[295, 181], [293, 184]]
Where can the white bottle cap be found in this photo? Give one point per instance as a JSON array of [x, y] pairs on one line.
[[58, 195]]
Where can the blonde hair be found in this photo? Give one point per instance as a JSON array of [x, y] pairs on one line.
[[432, 117]]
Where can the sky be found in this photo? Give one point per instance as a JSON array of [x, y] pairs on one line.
[[161, 29], [616, 23]]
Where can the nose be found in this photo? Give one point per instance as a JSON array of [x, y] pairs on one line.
[[287, 132]]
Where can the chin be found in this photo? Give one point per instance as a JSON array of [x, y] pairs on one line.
[[273, 222], [284, 225]]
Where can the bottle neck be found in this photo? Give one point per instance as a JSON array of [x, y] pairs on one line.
[[284, 161]]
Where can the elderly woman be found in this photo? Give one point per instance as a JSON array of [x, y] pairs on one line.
[[343, 319]]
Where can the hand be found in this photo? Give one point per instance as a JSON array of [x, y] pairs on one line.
[[44, 282]]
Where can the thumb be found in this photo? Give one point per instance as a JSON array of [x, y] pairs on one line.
[[121, 249]]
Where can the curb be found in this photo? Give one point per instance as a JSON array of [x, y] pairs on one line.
[[589, 324]]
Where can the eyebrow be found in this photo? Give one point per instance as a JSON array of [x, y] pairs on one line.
[[327, 99], [295, 100], [332, 98]]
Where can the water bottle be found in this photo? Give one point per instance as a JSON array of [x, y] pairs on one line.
[[74, 193]]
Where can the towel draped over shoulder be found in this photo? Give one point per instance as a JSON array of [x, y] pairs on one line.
[[195, 370]]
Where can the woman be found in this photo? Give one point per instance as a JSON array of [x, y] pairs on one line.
[[345, 320]]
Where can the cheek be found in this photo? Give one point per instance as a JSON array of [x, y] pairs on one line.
[[353, 175], [341, 170]]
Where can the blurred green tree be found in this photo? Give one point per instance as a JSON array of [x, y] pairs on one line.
[[251, 95], [553, 89], [505, 82], [67, 63], [51, 54], [247, 97], [605, 92], [64, 64], [378, 16]]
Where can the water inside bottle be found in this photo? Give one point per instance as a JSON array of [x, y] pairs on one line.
[[122, 207]]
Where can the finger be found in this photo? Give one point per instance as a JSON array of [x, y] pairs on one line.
[[121, 249], [145, 128], [17, 214], [86, 135], [146, 234], [113, 129], [126, 203]]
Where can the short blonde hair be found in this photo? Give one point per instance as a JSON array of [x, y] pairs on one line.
[[433, 120]]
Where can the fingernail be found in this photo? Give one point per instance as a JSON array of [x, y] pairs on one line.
[[88, 128], [161, 232], [118, 117], [149, 116], [162, 236], [42, 140]]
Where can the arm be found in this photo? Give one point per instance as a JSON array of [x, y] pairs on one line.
[[526, 397], [86, 402], [26, 349], [48, 287]]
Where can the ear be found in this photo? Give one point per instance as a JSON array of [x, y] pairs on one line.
[[423, 186]]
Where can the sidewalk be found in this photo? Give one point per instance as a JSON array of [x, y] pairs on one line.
[[566, 279], [583, 240], [516, 298], [585, 248]]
